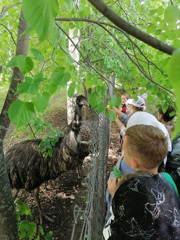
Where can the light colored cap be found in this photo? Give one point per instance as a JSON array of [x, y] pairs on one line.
[[139, 103], [144, 96], [129, 101], [145, 118]]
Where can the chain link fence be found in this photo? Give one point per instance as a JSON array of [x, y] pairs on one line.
[[94, 213]]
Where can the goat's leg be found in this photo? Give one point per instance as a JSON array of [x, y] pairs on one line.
[[36, 194]]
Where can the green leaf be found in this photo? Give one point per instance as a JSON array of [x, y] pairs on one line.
[[65, 78], [21, 113], [28, 86], [171, 15], [111, 114], [116, 101], [37, 54], [49, 235], [22, 209], [40, 15], [101, 107], [117, 172], [151, 28], [20, 60], [71, 89], [57, 74], [24, 64], [12, 62], [88, 83], [174, 77], [71, 25], [29, 64], [176, 43], [94, 99], [38, 77], [42, 101], [52, 89]]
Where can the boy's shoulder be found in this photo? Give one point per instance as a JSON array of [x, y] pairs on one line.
[[144, 185]]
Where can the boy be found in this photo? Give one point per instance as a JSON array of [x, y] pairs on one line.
[[145, 205]]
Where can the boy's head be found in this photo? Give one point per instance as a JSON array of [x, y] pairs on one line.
[[145, 145], [166, 117]]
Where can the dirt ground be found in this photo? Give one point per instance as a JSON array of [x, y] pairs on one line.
[[58, 197]]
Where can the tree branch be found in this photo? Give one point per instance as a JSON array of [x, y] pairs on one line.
[[135, 32], [129, 55], [9, 32], [7, 9]]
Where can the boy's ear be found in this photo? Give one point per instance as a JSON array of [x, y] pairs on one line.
[[134, 163]]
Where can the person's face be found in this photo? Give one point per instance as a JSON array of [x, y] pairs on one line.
[[123, 99], [127, 157], [159, 117], [129, 109]]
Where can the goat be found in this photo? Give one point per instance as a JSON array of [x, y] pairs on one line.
[[28, 168]]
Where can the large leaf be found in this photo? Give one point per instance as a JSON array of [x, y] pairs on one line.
[[42, 101], [174, 77], [60, 77], [71, 89], [24, 64], [40, 14], [29, 86], [171, 15], [21, 113], [37, 54], [94, 99]]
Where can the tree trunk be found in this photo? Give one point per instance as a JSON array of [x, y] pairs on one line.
[[8, 225], [75, 55]]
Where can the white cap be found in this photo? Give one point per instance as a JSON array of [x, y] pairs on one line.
[[139, 103], [129, 101], [145, 118]]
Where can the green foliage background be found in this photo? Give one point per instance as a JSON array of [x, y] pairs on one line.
[[104, 50]]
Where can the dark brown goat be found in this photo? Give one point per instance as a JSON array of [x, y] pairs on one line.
[[28, 168]]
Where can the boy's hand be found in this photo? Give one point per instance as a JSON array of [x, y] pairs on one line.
[[112, 185]]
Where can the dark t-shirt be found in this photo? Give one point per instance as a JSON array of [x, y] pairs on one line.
[[145, 208]]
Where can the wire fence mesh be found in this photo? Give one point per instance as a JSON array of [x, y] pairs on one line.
[[94, 212]]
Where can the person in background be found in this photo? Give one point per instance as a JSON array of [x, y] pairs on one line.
[[123, 103], [121, 126], [145, 204], [166, 118], [135, 106]]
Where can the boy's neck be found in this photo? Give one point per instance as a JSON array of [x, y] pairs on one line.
[[153, 170]]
